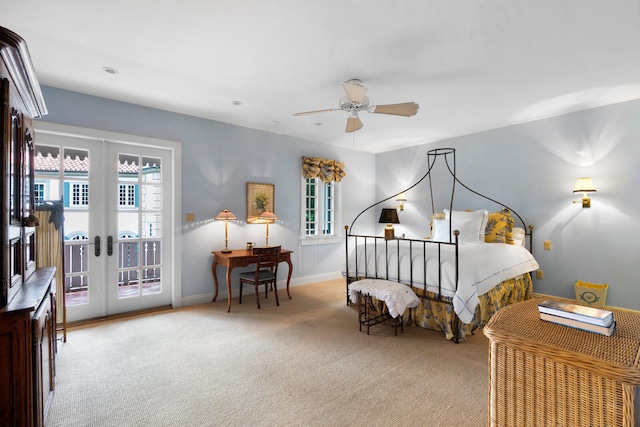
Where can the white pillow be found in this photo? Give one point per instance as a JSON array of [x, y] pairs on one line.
[[518, 236], [479, 217], [440, 229], [468, 231]]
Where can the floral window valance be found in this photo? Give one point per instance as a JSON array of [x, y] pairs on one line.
[[326, 169]]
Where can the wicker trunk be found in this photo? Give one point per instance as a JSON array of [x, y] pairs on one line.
[[544, 374]]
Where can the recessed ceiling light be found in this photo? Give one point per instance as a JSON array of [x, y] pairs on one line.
[[318, 124], [110, 70], [238, 103]]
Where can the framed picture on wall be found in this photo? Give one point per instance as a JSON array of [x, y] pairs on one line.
[[260, 198]]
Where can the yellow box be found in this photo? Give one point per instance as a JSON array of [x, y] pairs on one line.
[[591, 294]]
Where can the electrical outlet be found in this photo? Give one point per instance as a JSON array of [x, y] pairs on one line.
[[191, 217], [539, 274], [547, 245]]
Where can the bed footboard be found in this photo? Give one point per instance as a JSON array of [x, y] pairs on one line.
[[374, 257]]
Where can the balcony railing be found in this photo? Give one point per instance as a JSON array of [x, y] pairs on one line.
[[130, 267]]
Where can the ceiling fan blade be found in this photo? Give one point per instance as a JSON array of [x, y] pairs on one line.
[[353, 124], [405, 109], [304, 113], [355, 91]]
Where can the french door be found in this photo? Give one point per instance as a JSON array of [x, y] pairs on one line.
[[117, 201]]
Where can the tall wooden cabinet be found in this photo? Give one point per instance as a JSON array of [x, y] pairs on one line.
[[27, 294]]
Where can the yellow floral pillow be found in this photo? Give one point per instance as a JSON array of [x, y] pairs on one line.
[[500, 227]]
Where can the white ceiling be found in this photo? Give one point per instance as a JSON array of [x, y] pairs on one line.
[[471, 65]]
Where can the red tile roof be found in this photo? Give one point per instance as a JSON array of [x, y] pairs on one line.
[[52, 164]]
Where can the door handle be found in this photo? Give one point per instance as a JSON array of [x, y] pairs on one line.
[[109, 245], [96, 241]]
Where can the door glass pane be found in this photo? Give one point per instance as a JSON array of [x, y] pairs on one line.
[[128, 225], [151, 253], [139, 218], [128, 284], [47, 173], [130, 199], [128, 254], [151, 272], [76, 289], [76, 265], [128, 167], [151, 283], [75, 194], [48, 159], [152, 197], [151, 170], [151, 224], [76, 163], [128, 261]]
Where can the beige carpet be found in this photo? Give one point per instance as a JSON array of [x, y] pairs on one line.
[[301, 364]]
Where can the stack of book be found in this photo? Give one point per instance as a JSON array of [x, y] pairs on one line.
[[578, 316]]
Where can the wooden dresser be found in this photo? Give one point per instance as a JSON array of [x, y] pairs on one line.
[[27, 294], [545, 374], [27, 351]]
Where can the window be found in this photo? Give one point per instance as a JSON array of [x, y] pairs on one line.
[[319, 208], [127, 195], [79, 195], [39, 192], [77, 235]]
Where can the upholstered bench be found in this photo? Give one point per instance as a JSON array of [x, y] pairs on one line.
[[395, 296]]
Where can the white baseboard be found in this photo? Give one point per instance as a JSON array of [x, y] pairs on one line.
[[297, 281]]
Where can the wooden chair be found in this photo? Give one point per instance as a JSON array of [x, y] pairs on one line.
[[265, 274]]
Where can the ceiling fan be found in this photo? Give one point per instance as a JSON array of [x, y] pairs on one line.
[[356, 101]]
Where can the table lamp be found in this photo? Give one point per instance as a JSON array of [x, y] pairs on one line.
[[226, 215], [267, 217]]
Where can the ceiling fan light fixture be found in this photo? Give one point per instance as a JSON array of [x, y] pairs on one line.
[[350, 106], [356, 101]]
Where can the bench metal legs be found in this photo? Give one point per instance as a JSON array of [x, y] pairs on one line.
[[369, 316]]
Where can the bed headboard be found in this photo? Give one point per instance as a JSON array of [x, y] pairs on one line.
[[448, 156]]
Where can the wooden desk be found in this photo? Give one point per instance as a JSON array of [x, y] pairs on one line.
[[241, 258], [543, 374]]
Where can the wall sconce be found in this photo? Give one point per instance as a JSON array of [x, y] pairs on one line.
[[584, 186], [401, 198], [389, 217], [226, 215], [267, 217]]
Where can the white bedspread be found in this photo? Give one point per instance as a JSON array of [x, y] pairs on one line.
[[481, 267]]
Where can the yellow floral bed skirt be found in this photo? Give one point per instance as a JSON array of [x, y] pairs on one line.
[[438, 316]]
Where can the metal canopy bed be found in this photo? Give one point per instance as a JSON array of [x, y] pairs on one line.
[[473, 264]]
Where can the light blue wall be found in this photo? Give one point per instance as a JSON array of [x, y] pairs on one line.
[[532, 168], [218, 161]]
